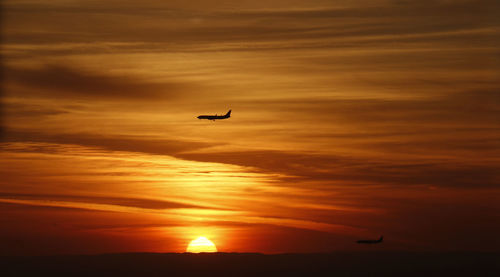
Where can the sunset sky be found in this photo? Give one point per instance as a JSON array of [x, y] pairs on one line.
[[350, 120]]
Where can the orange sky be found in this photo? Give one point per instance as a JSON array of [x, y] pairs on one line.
[[351, 119]]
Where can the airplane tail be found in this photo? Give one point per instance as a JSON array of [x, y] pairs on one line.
[[228, 114]]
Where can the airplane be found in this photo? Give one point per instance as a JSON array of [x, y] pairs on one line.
[[369, 241], [214, 117]]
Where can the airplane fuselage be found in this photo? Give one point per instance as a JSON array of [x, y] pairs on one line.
[[371, 241], [368, 241], [212, 117], [215, 117]]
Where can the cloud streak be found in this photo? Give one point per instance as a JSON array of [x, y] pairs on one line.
[[112, 143], [159, 27], [144, 203], [64, 82]]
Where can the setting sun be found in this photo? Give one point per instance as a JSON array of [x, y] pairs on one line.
[[201, 244]]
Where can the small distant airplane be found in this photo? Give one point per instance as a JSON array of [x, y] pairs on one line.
[[369, 241], [214, 117]]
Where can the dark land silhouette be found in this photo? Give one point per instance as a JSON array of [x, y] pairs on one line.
[[252, 264]]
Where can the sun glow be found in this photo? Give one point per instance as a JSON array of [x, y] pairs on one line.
[[201, 244]]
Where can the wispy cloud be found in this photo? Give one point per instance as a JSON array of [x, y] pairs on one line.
[[65, 82], [76, 200], [113, 143]]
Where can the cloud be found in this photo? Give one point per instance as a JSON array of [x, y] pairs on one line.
[[150, 206], [22, 110], [163, 27], [145, 203], [112, 143], [446, 140], [474, 108], [65, 82], [358, 170]]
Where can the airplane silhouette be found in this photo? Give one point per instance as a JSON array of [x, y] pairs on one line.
[[369, 241], [214, 117]]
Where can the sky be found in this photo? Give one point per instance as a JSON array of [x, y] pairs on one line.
[[350, 120]]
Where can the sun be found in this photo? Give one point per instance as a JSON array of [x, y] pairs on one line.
[[201, 244]]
